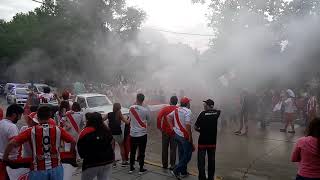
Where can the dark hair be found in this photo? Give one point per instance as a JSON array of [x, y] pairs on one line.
[[75, 107], [44, 113], [46, 89], [140, 97], [14, 109], [314, 130], [95, 120], [33, 108], [64, 104], [65, 95], [174, 100], [183, 104]]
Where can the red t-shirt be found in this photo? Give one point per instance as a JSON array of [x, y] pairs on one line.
[[162, 120], [45, 140], [1, 114]]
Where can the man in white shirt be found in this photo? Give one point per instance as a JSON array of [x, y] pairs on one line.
[[8, 130], [139, 116], [182, 128]]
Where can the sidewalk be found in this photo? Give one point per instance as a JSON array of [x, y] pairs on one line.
[[153, 173]]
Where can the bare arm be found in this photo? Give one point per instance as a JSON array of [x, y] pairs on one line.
[[188, 127], [126, 121], [11, 145]]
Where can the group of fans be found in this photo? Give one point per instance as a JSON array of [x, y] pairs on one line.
[[51, 145]]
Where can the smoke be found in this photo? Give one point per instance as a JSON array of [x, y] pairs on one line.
[[249, 54]]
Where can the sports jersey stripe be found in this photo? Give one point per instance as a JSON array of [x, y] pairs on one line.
[[39, 153], [57, 145], [54, 158], [181, 128], [47, 137], [34, 149]]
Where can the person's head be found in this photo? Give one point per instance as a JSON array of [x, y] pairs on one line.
[[185, 102], [14, 113], [173, 100], [208, 104], [33, 108], [95, 121], [64, 106], [44, 114], [76, 107], [140, 98], [314, 130], [30, 119], [46, 89], [116, 107], [65, 95]]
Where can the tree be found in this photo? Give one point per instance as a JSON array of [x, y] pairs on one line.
[[80, 39]]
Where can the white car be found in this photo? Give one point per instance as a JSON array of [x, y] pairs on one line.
[[38, 88], [18, 96], [93, 102], [9, 87]]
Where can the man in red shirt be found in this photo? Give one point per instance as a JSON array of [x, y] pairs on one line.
[[45, 140], [167, 133]]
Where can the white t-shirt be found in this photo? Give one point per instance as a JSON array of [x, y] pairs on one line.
[[26, 147], [289, 106], [8, 130], [136, 130], [78, 118], [184, 117]]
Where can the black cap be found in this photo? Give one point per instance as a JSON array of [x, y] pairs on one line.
[[209, 102]]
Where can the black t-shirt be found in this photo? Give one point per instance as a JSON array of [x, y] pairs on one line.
[[207, 122], [114, 124]]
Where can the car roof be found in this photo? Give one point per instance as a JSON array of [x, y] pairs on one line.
[[85, 95], [38, 84], [14, 84]]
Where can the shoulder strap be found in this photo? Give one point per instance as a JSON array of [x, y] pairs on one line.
[[137, 117], [73, 122], [182, 129]]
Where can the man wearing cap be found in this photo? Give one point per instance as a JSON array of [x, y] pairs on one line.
[[182, 128], [206, 125]]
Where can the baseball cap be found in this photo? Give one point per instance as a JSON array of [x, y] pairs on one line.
[[185, 100], [33, 117], [209, 102]]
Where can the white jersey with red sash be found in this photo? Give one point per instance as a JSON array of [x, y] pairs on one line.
[[73, 123], [182, 117], [45, 141], [139, 116]]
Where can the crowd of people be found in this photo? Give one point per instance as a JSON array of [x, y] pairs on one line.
[[52, 144]]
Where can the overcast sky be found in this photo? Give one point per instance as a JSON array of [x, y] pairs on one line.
[[172, 15]]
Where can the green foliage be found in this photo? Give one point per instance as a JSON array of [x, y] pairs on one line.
[[73, 37]]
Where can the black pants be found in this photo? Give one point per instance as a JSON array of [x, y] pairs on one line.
[[304, 178], [202, 164], [166, 142], [141, 143]]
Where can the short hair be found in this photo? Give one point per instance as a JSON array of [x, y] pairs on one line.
[[33, 108], [14, 109], [140, 97], [44, 113], [76, 107], [46, 89], [183, 104], [174, 100]]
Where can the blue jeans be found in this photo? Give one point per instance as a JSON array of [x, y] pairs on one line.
[[50, 174], [185, 153]]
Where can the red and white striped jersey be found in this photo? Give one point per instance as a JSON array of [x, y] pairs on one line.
[[46, 97], [45, 140], [182, 117]]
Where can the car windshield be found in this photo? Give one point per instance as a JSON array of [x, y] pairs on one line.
[[22, 91], [40, 88], [97, 101]]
